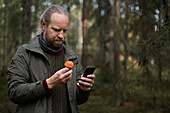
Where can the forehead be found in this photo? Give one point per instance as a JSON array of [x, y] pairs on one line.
[[60, 20]]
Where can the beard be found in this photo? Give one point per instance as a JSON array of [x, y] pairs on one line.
[[55, 42]]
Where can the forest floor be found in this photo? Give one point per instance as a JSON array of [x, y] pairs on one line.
[[100, 101]]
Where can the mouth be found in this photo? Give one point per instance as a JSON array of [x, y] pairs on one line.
[[58, 40]]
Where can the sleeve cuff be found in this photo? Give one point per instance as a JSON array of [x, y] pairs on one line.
[[80, 89], [46, 87]]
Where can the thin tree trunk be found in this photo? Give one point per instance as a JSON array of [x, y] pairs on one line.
[[159, 66], [166, 10], [125, 52], [166, 15], [102, 47], [111, 51], [26, 21], [116, 77], [158, 59], [102, 38], [4, 68], [111, 34], [36, 14], [85, 33]]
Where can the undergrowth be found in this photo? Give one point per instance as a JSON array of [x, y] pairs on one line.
[[141, 98]]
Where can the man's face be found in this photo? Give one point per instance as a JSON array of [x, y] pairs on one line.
[[56, 31]]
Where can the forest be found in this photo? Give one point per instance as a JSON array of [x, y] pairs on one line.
[[126, 40]]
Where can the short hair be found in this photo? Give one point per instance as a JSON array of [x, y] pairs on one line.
[[53, 9]]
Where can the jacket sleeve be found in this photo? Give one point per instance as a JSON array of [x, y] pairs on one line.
[[20, 88], [82, 96]]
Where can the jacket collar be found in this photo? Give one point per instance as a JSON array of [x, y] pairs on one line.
[[34, 45]]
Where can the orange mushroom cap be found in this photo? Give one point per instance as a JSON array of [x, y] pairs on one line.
[[69, 64]]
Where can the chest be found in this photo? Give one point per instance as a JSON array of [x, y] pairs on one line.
[[55, 62]]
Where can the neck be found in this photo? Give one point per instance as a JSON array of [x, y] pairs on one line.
[[46, 47]]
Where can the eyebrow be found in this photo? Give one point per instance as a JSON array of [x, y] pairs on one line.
[[56, 27]]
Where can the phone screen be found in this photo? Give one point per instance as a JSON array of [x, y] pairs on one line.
[[89, 70]]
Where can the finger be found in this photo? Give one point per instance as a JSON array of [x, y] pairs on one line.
[[78, 84], [89, 80], [92, 76], [84, 88], [67, 74], [63, 70], [68, 78], [85, 84]]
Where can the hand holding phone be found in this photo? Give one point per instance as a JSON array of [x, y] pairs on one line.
[[86, 83], [89, 70]]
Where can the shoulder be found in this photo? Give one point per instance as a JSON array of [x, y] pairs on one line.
[[22, 51], [30, 45]]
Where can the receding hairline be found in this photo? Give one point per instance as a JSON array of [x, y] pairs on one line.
[[46, 15]]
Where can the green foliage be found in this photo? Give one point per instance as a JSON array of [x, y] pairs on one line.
[[141, 97], [149, 49], [153, 97]]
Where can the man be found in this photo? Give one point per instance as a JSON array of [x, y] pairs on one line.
[[38, 82]]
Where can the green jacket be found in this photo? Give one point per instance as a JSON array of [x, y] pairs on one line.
[[28, 68]]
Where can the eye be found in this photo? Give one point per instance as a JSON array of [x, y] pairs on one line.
[[58, 30], [64, 30]]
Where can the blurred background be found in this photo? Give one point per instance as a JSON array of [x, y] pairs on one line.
[[127, 40]]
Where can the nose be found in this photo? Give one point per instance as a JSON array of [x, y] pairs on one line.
[[61, 34]]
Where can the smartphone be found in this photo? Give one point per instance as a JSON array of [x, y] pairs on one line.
[[89, 70]]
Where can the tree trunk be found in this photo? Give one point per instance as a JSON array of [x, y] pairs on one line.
[[26, 21], [85, 33], [102, 37], [166, 10], [111, 50], [147, 16], [36, 2], [102, 46], [111, 34], [159, 67], [116, 77], [125, 51], [4, 66], [166, 17]]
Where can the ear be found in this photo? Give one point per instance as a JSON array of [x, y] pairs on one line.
[[43, 25]]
